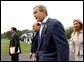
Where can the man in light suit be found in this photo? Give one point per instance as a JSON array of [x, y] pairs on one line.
[[52, 43], [14, 42]]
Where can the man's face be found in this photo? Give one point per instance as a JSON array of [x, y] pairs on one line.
[[12, 31], [35, 28], [39, 16]]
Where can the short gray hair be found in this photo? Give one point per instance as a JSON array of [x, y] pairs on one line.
[[42, 8]]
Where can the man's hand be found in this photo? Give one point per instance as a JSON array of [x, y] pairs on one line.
[[30, 55], [34, 57]]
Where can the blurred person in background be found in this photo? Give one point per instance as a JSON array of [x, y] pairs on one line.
[[14, 42], [77, 40]]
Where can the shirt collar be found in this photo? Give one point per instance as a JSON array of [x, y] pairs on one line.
[[13, 33], [46, 18]]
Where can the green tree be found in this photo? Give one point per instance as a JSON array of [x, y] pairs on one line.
[[3, 35], [26, 31], [19, 33], [8, 34], [68, 32]]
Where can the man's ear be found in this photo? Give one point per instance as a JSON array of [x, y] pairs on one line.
[[44, 11]]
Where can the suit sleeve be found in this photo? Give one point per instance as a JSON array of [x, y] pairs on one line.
[[16, 40], [60, 42], [32, 46]]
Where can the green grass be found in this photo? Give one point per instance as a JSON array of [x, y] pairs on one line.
[[25, 48]]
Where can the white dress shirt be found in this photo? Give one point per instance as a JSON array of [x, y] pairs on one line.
[[44, 21]]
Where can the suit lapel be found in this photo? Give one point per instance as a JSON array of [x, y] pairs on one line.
[[43, 31], [42, 34], [44, 28]]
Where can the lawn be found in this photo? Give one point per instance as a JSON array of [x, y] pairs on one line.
[[25, 48]]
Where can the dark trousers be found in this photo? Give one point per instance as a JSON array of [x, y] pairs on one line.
[[15, 57], [37, 58]]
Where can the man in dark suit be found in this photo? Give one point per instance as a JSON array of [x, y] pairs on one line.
[[52, 43], [34, 44], [14, 42]]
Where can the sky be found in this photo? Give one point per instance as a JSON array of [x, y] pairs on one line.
[[19, 14]]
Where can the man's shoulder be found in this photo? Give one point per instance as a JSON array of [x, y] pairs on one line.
[[16, 35], [54, 21]]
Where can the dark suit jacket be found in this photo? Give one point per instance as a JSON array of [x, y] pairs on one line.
[[34, 44], [53, 45], [15, 42]]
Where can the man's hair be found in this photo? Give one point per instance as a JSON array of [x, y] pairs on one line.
[[38, 24], [14, 29], [42, 8]]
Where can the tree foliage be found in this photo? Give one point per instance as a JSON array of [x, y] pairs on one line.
[[68, 32], [19, 32], [7, 34]]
